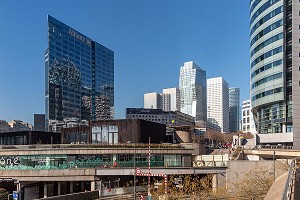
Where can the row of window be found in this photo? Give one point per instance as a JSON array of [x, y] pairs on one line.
[[244, 120], [267, 55], [267, 79], [266, 18], [246, 112], [267, 42], [264, 7], [267, 93], [266, 31], [255, 3], [266, 67]]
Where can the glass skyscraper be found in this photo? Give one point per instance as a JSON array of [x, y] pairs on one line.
[[275, 72], [192, 87], [234, 109], [79, 76]]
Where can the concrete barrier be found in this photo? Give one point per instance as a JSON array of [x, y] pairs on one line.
[[89, 195]]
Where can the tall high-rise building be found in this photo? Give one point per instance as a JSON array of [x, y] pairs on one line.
[[192, 87], [248, 125], [153, 100], [171, 99], [79, 76], [166, 102], [275, 72], [234, 109], [218, 104]]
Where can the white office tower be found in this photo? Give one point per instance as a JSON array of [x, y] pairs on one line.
[[192, 87], [166, 102], [153, 100], [248, 125], [218, 104], [171, 99]]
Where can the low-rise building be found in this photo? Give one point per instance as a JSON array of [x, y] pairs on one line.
[[169, 118]]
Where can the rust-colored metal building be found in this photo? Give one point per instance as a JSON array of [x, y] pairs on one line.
[[114, 132]]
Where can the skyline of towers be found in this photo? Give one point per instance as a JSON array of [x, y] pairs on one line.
[[192, 87], [275, 75], [218, 104], [79, 76]]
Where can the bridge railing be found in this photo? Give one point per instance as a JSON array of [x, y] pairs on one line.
[[272, 147], [288, 193]]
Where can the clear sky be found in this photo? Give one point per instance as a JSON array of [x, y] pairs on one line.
[[151, 40]]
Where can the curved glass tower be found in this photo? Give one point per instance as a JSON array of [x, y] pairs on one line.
[[274, 68]]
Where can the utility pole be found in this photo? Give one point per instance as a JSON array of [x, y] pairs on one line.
[[274, 164], [149, 194], [134, 176]]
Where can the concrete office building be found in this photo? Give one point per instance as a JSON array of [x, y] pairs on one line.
[[79, 76], [217, 104], [248, 125], [171, 99], [18, 125], [192, 86], [275, 72], [169, 118], [153, 100], [234, 109]]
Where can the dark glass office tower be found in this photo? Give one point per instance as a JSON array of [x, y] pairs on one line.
[[79, 76], [234, 109]]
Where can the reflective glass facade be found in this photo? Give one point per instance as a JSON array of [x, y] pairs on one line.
[[50, 162], [79, 76], [192, 86]]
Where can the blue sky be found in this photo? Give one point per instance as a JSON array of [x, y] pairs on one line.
[[151, 40]]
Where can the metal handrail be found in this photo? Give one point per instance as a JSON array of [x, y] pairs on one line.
[[289, 185]]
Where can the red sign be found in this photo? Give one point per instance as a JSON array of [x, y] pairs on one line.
[[138, 171]]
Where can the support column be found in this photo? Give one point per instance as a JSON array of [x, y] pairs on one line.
[[82, 186], [58, 188], [215, 183], [71, 187], [93, 186], [45, 190]]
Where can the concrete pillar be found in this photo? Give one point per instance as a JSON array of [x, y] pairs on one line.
[[58, 188], [215, 183], [71, 186], [93, 186], [283, 128], [45, 190], [18, 186]]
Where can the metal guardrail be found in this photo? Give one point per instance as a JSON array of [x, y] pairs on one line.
[[288, 193], [271, 147]]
